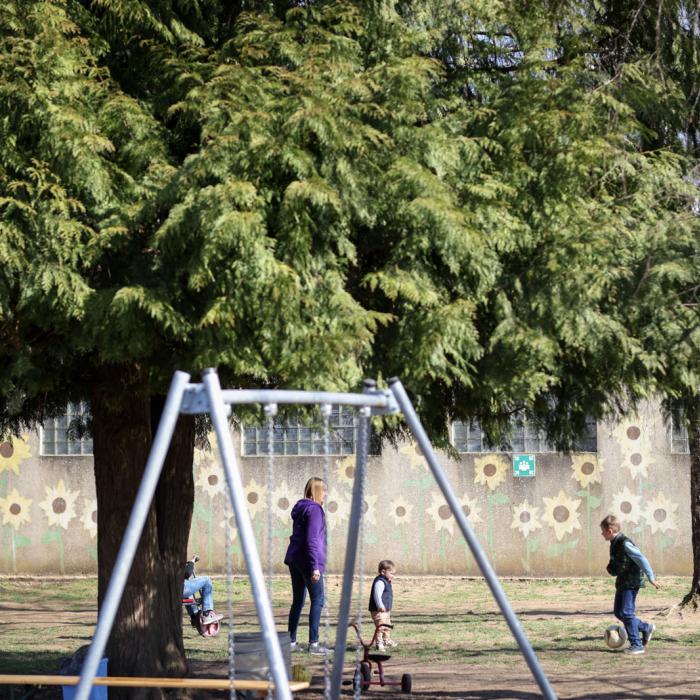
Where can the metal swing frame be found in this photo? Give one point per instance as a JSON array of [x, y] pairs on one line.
[[208, 397]]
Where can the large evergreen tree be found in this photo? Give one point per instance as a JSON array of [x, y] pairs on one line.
[[300, 194]]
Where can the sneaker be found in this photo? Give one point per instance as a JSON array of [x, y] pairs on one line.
[[295, 646], [318, 649], [634, 650], [390, 643], [210, 616], [647, 634], [381, 647]]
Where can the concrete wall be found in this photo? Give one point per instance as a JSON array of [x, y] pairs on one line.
[[544, 525]]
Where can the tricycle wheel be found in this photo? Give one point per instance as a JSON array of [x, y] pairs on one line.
[[406, 683], [366, 671]]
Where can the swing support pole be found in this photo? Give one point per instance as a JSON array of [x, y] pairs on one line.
[[477, 551], [247, 537], [341, 634]]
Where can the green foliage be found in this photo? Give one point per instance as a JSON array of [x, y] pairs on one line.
[[474, 198]]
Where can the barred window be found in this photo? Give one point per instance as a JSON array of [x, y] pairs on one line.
[[679, 437], [293, 437], [525, 437], [58, 434]]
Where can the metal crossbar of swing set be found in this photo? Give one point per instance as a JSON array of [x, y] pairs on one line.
[[208, 397]]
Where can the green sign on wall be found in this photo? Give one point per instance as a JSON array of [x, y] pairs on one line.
[[523, 465]]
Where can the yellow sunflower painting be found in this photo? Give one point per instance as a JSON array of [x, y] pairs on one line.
[[282, 501], [369, 508], [400, 511], [229, 523], [15, 509], [490, 471], [526, 518], [59, 505], [413, 455], [627, 506], [586, 469], [345, 470], [255, 495], [659, 513], [337, 510], [470, 509], [89, 516], [441, 513], [12, 452], [633, 437], [561, 514], [204, 455], [210, 478]]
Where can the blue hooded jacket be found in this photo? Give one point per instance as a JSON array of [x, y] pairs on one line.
[[307, 545]]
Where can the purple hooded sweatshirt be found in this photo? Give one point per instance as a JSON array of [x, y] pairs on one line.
[[307, 545]]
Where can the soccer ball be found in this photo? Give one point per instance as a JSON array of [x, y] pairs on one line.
[[615, 636]]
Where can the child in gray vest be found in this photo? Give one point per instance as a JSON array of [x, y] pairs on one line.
[[629, 566], [381, 598]]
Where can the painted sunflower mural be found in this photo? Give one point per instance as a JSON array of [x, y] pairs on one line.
[[561, 514], [400, 511], [626, 506], [490, 471], [659, 513], [59, 505], [337, 511], [470, 509], [440, 513], [345, 470], [636, 447], [210, 478], [369, 508], [413, 454], [587, 469], [282, 501], [12, 453], [89, 516], [255, 495], [526, 518], [15, 509]]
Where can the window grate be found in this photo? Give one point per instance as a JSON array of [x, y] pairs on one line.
[[56, 438]]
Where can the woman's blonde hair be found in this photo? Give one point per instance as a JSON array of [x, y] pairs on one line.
[[315, 489]]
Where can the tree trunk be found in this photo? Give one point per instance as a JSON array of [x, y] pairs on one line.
[[692, 599], [146, 638]]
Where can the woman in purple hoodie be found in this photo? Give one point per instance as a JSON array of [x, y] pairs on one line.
[[306, 559]]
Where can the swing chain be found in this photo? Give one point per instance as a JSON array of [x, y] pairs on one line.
[[228, 556], [326, 410], [363, 450], [270, 410]]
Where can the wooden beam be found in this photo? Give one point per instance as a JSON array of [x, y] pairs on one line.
[[135, 682]]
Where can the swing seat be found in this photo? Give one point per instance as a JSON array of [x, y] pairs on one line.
[[378, 657], [188, 601]]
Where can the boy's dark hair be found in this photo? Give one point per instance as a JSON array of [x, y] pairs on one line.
[[610, 522], [385, 564]]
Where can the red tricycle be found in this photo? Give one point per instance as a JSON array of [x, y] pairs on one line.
[[365, 670]]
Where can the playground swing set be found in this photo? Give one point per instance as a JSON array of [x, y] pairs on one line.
[[189, 398]]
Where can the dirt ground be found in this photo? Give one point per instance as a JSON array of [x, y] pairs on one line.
[[461, 648]]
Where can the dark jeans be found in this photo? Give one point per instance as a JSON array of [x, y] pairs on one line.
[[301, 582], [625, 610]]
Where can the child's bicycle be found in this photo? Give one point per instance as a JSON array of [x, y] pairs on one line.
[[364, 671], [194, 607]]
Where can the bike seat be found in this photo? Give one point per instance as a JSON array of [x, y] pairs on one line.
[[379, 657]]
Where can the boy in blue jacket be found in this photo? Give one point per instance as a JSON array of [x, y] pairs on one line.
[[629, 566]]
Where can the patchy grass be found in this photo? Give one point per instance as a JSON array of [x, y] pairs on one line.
[[440, 622]]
